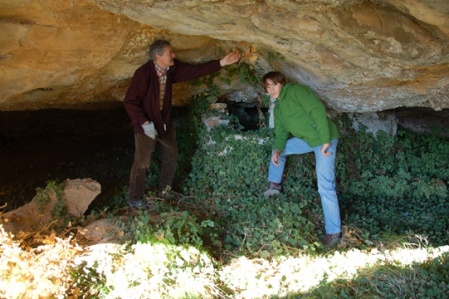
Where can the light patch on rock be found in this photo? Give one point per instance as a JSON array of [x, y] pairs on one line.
[[102, 231], [214, 121], [374, 123]]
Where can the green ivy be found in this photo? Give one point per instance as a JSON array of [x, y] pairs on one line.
[[385, 184], [397, 184], [229, 168], [170, 227], [42, 198]]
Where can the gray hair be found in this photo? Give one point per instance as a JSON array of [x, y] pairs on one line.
[[157, 48]]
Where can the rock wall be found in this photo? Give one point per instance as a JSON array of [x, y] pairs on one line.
[[358, 55]]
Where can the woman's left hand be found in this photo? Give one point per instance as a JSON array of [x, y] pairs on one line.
[[324, 148]]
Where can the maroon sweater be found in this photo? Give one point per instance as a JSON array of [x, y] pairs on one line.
[[142, 98]]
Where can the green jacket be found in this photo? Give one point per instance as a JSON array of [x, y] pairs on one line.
[[300, 113]]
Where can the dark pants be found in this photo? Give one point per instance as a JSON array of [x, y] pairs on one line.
[[144, 148]]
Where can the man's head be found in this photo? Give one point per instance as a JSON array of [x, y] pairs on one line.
[[273, 83], [162, 53]]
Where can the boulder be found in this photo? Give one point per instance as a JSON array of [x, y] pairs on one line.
[[42, 210]]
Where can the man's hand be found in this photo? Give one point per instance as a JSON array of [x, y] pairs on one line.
[[230, 58], [275, 157], [324, 148]]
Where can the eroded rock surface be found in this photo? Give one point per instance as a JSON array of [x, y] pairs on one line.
[[359, 56], [39, 212]]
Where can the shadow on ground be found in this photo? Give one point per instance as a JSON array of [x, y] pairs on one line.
[[55, 145]]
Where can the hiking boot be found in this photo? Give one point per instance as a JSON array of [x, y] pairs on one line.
[[331, 240], [138, 204], [273, 190]]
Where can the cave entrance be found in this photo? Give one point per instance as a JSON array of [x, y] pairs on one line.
[[40, 146], [58, 144], [248, 114]]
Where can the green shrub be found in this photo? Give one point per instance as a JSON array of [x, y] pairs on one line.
[[396, 183]]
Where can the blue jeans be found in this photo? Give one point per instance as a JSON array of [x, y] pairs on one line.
[[325, 171]]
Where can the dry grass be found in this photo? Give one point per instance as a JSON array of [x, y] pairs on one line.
[[35, 272], [60, 268]]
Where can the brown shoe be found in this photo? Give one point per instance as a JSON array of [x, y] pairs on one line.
[[273, 190], [331, 240]]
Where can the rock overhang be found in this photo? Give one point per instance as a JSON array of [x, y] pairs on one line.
[[358, 56]]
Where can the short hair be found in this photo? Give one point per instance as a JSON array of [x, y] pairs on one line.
[[157, 48], [276, 77]]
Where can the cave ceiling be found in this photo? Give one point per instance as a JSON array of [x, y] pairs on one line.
[[358, 56]]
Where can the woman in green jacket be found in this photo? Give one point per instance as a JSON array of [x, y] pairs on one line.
[[299, 113]]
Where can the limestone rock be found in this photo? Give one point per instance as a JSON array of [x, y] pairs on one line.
[[78, 195], [358, 56], [102, 231], [36, 215], [373, 122], [214, 121]]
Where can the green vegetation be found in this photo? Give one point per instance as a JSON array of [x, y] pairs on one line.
[[42, 198], [396, 184], [387, 186], [224, 240]]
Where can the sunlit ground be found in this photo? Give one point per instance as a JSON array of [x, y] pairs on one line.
[[61, 269]]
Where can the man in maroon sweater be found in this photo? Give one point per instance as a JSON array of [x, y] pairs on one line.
[[148, 103]]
